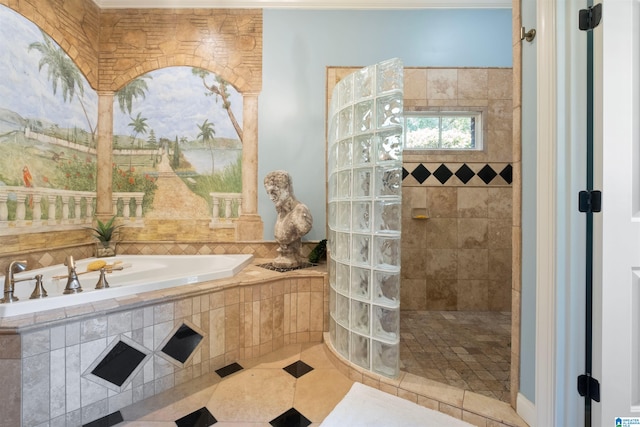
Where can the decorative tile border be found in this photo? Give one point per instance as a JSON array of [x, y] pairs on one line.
[[457, 174]]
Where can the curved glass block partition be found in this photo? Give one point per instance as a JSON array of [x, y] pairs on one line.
[[365, 141]]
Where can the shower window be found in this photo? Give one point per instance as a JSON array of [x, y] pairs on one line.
[[443, 130]]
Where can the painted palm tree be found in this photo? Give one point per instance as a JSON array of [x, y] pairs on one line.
[[139, 125], [135, 89], [62, 71], [206, 135], [219, 89]]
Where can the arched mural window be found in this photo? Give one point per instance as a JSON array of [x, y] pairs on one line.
[[48, 119], [177, 138]]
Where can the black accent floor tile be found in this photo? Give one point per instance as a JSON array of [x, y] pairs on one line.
[[465, 173], [106, 421], [420, 173], [182, 343], [291, 418], [298, 369], [119, 363], [229, 369], [200, 418], [487, 174], [442, 174]]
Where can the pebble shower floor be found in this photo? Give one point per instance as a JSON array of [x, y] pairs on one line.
[[468, 350]]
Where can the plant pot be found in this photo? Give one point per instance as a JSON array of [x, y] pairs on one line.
[[105, 249]]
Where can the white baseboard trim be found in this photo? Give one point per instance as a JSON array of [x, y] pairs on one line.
[[526, 409]]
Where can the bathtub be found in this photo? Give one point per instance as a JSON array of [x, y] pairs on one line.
[[141, 273]]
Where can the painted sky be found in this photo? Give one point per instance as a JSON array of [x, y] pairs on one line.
[[174, 106]]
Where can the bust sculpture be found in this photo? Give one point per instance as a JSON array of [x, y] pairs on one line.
[[294, 219]]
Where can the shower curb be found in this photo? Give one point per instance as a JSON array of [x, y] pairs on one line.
[[474, 408]]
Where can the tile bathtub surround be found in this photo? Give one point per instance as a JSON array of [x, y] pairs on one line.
[[257, 312]]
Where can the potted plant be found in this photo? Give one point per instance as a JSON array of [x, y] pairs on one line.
[[104, 232]]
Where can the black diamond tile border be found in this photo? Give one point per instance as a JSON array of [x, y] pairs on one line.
[[229, 369], [487, 174], [420, 173], [507, 174], [442, 174], [119, 363], [106, 421], [200, 418], [182, 343], [465, 173], [298, 369], [291, 418]]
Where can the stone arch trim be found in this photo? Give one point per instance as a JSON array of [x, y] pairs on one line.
[[229, 75], [227, 42], [75, 29]]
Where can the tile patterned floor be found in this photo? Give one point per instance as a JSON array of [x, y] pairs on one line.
[[294, 386], [299, 386], [468, 350]]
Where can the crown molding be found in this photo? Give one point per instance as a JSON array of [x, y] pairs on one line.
[[303, 4]]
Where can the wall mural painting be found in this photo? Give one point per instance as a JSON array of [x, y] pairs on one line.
[[178, 137], [48, 118]]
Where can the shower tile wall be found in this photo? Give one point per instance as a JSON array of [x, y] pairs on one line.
[[460, 257]]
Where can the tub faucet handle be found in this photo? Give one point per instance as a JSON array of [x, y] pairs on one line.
[[38, 291], [73, 284], [102, 281]]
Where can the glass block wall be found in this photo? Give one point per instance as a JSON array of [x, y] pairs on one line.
[[365, 139]]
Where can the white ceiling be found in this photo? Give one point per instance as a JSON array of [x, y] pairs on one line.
[[303, 4]]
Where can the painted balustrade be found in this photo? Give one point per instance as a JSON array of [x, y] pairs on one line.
[[24, 210], [226, 207]]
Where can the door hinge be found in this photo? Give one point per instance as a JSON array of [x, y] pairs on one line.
[[590, 201], [589, 387], [590, 18]]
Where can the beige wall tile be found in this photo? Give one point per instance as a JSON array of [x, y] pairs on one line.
[[442, 233], [473, 83], [413, 294], [473, 202], [442, 84], [500, 83], [442, 264], [500, 115], [500, 233], [473, 294], [473, 233], [500, 202], [499, 145], [442, 294], [415, 83], [442, 202], [473, 264]]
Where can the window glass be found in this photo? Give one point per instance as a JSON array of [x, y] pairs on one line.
[[443, 131]]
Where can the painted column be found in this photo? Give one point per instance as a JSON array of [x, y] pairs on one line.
[[104, 154], [250, 226]]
